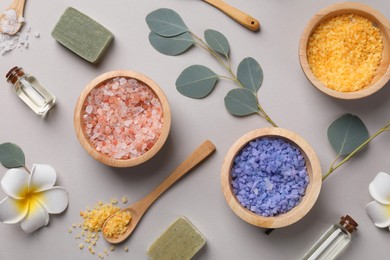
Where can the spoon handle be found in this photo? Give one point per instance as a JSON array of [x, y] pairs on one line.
[[18, 6], [242, 18], [201, 153]]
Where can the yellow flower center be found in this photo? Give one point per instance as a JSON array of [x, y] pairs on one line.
[[30, 199]]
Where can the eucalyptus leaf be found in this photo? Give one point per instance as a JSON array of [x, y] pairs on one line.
[[196, 81], [11, 156], [173, 45], [241, 102], [217, 41], [347, 133], [250, 74], [166, 22]]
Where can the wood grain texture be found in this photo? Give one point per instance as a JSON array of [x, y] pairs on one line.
[[312, 191], [239, 16], [18, 6], [138, 209], [79, 123], [383, 74]]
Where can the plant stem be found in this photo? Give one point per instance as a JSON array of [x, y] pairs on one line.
[[24, 166], [333, 168]]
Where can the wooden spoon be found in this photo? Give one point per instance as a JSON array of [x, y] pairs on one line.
[[242, 18], [138, 209], [18, 6]]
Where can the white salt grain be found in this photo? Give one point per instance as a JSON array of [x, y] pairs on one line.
[[10, 24]]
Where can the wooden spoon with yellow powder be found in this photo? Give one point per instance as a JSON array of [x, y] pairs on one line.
[[121, 225]]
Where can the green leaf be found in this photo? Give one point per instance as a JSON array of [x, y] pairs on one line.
[[196, 81], [217, 41], [173, 45], [241, 102], [11, 156], [250, 74], [347, 133], [166, 22]]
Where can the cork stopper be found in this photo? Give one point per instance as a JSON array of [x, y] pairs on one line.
[[14, 74], [348, 223]]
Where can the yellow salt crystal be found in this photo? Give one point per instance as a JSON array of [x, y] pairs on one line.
[[112, 248], [74, 225], [117, 224], [90, 247], [70, 230], [124, 199], [344, 52], [100, 203], [126, 249], [100, 255], [114, 201], [81, 245]]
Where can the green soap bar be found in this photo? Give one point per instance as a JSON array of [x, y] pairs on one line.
[[180, 241], [82, 35]]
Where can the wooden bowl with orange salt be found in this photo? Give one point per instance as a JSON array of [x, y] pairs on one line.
[[352, 67], [122, 118]]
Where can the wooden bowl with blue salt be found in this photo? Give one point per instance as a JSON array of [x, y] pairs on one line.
[[271, 177], [122, 118]]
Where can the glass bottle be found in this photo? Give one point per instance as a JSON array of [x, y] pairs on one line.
[[31, 91], [333, 241]]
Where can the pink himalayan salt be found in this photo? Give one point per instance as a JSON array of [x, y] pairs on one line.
[[122, 118]]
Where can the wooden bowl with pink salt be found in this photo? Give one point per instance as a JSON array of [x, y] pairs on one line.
[[122, 118]]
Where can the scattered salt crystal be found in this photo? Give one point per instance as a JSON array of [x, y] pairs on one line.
[[37, 34], [11, 24]]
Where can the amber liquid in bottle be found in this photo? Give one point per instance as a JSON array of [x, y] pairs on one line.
[[31, 91]]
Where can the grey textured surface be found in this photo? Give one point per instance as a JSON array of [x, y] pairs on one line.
[[286, 95]]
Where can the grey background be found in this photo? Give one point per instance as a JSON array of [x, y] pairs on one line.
[[286, 95]]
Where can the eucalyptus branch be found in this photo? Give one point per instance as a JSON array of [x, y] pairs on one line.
[[359, 148], [228, 67], [171, 36]]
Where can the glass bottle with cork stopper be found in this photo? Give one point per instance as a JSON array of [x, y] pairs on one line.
[[333, 242], [31, 91]]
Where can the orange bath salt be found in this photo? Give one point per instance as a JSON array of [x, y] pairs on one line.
[[117, 225], [344, 52]]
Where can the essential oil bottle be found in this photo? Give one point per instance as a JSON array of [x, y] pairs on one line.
[[333, 242], [31, 91]]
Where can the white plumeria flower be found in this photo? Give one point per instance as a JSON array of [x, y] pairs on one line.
[[31, 197], [379, 210]]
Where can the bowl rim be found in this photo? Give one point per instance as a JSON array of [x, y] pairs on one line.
[[78, 122], [339, 9], [312, 190]]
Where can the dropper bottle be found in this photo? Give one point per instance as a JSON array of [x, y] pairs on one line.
[[333, 242]]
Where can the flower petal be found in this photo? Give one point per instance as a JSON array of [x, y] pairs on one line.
[[37, 217], [42, 177], [54, 200], [12, 211], [380, 188], [15, 183], [379, 214]]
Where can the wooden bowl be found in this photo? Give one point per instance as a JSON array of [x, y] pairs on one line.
[[79, 122], [383, 73], [312, 191]]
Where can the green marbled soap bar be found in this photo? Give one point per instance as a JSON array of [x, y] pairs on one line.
[[181, 241], [82, 35]]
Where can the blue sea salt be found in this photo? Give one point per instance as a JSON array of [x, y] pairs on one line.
[[269, 176]]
